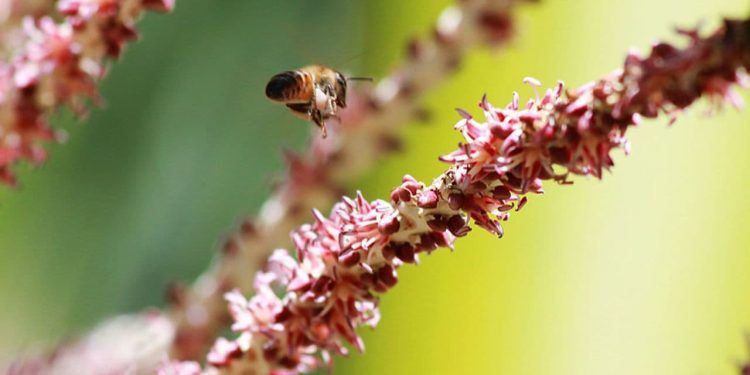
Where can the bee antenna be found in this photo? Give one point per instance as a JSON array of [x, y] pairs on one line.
[[359, 79]]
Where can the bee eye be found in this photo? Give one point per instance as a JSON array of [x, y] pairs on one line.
[[341, 80], [341, 90]]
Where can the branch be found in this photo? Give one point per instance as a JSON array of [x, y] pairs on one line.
[[345, 260], [59, 65], [367, 131]]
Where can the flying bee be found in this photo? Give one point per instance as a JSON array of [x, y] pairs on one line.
[[313, 93]]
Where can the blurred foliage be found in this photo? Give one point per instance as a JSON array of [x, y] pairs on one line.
[[184, 146], [644, 272]]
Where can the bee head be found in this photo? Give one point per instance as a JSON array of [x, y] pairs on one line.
[[340, 90]]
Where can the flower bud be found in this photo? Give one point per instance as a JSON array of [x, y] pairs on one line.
[[389, 225], [405, 252], [456, 201], [457, 225], [428, 199], [349, 258], [387, 275]]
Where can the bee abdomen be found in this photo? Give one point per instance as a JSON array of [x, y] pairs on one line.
[[288, 86]]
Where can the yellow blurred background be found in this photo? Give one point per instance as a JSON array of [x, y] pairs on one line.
[[644, 272]]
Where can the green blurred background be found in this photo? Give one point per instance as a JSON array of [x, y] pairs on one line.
[[644, 272]]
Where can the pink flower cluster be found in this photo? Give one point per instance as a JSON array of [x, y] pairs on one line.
[[179, 368], [59, 65], [308, 308], [342, 261], [128, 344]]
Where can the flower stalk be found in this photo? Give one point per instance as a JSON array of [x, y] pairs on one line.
[[308, 305]]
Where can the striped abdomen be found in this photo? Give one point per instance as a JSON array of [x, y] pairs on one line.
[[293, 86]]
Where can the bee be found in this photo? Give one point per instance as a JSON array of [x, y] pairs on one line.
[[313, 93]]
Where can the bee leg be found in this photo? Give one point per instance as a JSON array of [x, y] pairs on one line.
[[332, 105], [318, 119], [332, 100]]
